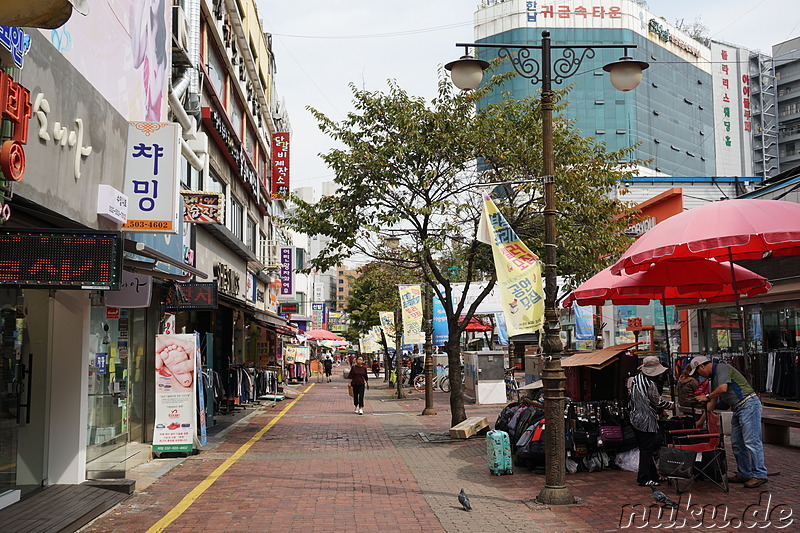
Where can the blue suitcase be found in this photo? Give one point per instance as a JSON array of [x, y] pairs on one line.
[[498, 453]]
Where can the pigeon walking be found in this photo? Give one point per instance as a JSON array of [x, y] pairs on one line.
[[463, 499], [662, 498]]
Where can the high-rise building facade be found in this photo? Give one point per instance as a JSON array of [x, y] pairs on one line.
[[786, 65], [687, 118]]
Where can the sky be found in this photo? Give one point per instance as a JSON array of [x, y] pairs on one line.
[[322, 47]]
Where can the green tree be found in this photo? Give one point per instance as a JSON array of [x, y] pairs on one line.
[[411, 169]]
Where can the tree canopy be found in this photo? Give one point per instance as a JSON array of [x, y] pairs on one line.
[[413, 170]]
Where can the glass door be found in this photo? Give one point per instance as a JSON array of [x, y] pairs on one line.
[[10, 397]]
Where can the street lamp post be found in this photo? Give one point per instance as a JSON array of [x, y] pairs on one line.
[[625, 75]]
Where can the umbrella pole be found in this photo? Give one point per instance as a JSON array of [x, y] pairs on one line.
[[669, 357], [740, 315]]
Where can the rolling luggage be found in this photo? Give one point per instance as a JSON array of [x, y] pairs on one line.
[[498, 453]]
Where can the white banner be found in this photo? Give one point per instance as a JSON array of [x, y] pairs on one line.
[[152, 179], [175, 411]]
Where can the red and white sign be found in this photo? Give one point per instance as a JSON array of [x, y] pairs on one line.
[[280, 165]]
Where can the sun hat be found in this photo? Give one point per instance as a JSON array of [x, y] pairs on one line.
[[696, 362], [651, 366]]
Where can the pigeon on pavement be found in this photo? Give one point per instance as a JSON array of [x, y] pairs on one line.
[[463, 499], [662, 498]]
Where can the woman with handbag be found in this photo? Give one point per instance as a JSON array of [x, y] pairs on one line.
[[645, 402], [359, 379]]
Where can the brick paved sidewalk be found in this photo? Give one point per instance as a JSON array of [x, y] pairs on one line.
[[323, 468]]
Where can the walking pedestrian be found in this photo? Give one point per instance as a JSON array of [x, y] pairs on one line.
[[376, 367], [327, 365], [359, 379], [728, 384], [645, 403]]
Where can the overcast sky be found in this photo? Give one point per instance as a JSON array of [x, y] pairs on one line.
[[322, 46]]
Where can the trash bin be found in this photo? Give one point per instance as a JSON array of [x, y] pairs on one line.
[[484, 376]]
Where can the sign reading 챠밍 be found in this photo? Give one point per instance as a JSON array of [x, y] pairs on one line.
[[287, 275], [61, 259], [280, 165], [152, 178]]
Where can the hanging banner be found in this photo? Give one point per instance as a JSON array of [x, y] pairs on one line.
[[441, 332], [519, 272], [387, 325], [203, 207], [584, 322], [411, 302], [502, 330], [175, 415]]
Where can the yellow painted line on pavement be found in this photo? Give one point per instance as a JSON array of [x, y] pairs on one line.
[[189, 499]]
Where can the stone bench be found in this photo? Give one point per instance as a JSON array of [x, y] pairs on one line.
[[777, 426]]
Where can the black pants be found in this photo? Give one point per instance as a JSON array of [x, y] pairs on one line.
[[358, 395], [649, 445]]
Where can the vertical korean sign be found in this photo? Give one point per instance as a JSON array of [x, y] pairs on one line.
[[287, 275], [175, 414], [280, 165], [519, 272], [152, 179], [317, 315], [411, 301]]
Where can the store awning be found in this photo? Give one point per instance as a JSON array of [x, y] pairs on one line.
[[599, 359], [144, 267]]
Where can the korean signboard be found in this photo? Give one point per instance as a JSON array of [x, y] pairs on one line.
[[732, 110], [287, 293], [317, 315], [202, 207], [280, 165], [192, 296], [152, 177]]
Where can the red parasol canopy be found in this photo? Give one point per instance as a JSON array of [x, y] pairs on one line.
[[729, 230], [476, 324], [322, 335], [671, 282]]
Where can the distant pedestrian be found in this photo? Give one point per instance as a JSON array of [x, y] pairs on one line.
[[359, 379], [376, 367], [327, 365], [728, 384], [645, 403]]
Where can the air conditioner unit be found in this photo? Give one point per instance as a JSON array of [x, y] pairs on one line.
[[180, 28]]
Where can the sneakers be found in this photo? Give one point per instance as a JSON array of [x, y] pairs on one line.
[[356, 410], [754, 482], [737, 479], [650, 483], [361, 412]]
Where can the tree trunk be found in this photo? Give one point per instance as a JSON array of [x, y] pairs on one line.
[[458, 413]]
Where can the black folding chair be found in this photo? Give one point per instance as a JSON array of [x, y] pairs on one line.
[[711, 463]]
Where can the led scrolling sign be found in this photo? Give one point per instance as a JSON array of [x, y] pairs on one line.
[[61, 259]]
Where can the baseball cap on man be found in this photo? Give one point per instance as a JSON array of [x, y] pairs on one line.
[[696, 362]]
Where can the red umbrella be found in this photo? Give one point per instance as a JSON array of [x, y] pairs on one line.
[[322, 335], [671, 282], [729, 230], [476, 324]]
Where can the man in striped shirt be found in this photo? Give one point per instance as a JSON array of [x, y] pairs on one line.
[[645, 403]]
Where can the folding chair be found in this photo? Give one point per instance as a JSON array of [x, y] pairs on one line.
[[711, 461]]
